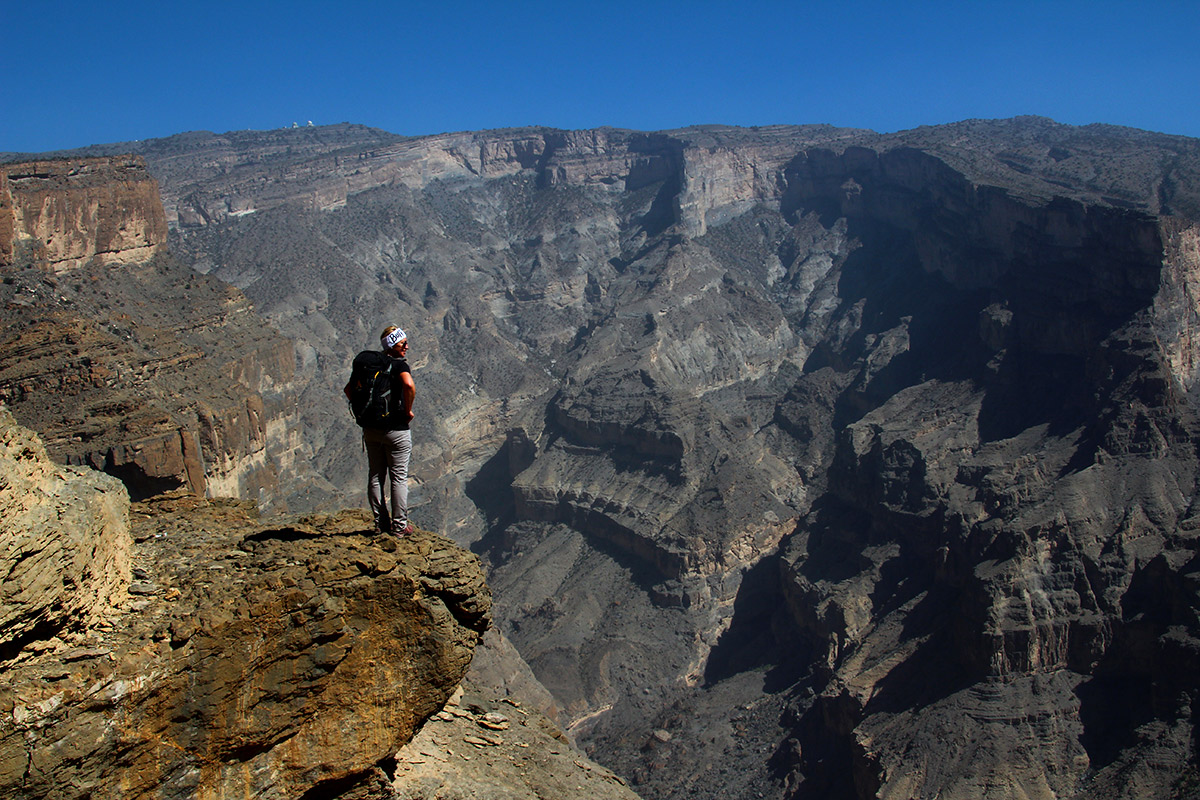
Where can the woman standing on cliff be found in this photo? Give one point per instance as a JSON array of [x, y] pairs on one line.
[[381, 393]]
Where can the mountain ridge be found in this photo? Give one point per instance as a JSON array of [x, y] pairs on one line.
[[674, 289], [881, 440]]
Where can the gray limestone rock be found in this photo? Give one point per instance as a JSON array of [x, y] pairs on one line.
[[861, 465]]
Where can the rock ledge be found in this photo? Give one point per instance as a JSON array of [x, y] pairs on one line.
[[246, 658]]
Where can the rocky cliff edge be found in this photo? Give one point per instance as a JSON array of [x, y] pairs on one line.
[[181, 647]]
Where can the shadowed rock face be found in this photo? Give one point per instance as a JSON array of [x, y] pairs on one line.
[[990, 505], [808, 462], [244, 658]]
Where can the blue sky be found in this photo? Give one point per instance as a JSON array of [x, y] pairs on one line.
[[84, 73]]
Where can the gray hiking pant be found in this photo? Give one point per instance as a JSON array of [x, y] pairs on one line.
[[387, 462]]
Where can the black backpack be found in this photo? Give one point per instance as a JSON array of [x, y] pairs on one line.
[[371, 389]]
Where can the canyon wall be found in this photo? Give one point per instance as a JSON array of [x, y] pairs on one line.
[[124, 359], [61, 214], [1013, 451], [807, 462]]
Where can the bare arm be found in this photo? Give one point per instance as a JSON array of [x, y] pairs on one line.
[[408, 392]]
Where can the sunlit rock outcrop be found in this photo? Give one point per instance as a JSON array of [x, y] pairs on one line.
[[62, 214], [64, 543], [200, 651]]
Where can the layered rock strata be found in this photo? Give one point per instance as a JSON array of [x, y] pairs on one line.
[[809, 462], [125, 360], [245, 657], [1010, 456], [62, 214], [64, 543]]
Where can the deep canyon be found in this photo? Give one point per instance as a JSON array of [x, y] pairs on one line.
[[802, 462]]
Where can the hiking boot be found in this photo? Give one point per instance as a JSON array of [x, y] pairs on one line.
[[405, 531]]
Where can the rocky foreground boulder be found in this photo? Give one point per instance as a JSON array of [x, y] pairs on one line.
[[186, 648], [65, 553]]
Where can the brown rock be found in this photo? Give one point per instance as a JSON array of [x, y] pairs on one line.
[[64, 542], [278, 659], [121, 358], [60, 215], [451, 756]]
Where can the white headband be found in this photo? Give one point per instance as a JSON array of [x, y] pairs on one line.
[[392, 338]]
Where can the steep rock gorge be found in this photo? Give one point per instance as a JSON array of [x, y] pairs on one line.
[[998, 484], [122, 358], [808, 462]]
